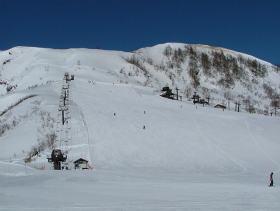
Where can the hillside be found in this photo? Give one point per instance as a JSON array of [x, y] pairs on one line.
[[112, 97], [224, 76], [35, 71]]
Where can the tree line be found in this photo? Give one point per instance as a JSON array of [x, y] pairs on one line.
[[230, 68]]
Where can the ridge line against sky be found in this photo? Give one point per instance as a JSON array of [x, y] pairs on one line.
[[247, 26]]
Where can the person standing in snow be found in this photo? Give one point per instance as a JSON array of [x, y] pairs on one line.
[[271, 179]]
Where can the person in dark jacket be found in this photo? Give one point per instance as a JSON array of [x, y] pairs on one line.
[[271, 179]]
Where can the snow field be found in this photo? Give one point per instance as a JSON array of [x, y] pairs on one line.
[[134, 189], [202, 138], [188, 157]]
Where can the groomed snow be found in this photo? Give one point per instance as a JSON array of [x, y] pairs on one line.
[[135, 189]]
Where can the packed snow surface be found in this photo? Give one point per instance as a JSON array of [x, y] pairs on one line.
[[187, 157]]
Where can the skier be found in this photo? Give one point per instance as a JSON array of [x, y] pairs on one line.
[[271, 179]]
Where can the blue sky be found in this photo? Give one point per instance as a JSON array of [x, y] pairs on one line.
[[248, 26]]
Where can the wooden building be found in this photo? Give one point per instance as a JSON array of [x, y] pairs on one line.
[[220, 106], [168, 93], [203, 101], [81, 164]]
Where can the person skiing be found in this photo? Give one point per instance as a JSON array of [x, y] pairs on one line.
[[271, 179]]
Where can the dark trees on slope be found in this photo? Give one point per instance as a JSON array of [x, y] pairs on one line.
[[193, 68], [249, 107], [206, 64], [275, 103], [276, 68], [168, 51]]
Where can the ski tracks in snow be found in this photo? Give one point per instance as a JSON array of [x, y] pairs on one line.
[[258, 146], [216, 146], [80, 129], [85, 127]]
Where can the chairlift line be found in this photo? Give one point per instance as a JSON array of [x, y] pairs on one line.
[[62, 127]]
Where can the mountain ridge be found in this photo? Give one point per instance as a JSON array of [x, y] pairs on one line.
[[150, 67]]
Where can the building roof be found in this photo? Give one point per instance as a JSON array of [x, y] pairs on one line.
[[80, 159], [220, 106], [166, 89]]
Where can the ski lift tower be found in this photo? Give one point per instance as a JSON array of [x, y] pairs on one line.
[[195, 98], [56, 158]]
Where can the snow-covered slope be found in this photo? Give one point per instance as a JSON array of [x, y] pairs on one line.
[[176, 133], [110, 102]]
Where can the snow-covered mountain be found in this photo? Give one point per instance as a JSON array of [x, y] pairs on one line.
[[116, 119], [224, 76]]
